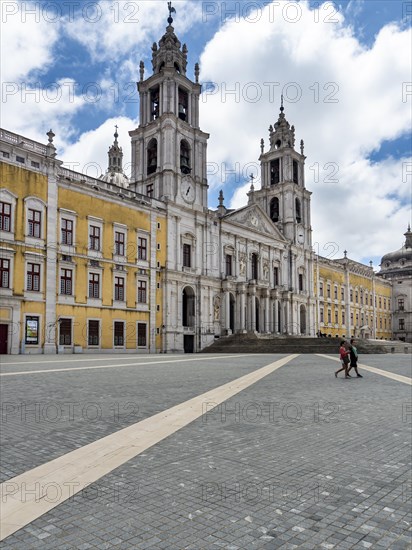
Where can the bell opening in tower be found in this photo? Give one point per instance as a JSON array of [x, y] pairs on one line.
[[183, 104], [275, 171], [152, 157], [154, 103], [185, 157], [295, 172]]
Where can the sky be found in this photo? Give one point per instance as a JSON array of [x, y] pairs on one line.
[[344, 69]]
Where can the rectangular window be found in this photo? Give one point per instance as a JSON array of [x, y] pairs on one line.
[[275, 276], [149, 190], [94, 237], [119, 289], [321, 314], [384, 303], [300, 282], [335, 292], [401, 324], [4, 273], [34, 223], [295, 172], [67, 231], [142, 248], [65, 337], [187, 255], [329, 316], [20, 159], [370, 300], [254, 267], [5, 216], [228, 265], [328, 291], [141, 335], [401, 304], [356, 297], [119, 240], [380, 302], [336, 318], [93, 333], [32, 330], [275, 171], [343, 317], [351, 295], [118, 333], [321, 289], [94, 285], [142, 292], [342, 294], [361, 297], [66, 282], [33, 277]]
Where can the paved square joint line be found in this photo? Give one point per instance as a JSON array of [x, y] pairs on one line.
[[78, 469], [391, 375]]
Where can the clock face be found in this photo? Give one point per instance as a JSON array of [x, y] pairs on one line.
[[187, 190]]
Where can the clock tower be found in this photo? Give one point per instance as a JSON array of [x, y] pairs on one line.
[[168, 148]]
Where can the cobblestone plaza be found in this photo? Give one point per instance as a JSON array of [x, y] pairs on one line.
[[235, 452]]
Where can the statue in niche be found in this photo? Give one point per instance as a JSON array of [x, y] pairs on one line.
[[216, 310], [242, 264], [265, 270]]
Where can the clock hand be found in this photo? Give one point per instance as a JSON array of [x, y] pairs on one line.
[[187, 192]]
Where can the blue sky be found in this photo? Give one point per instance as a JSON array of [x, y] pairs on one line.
[[74, 67]]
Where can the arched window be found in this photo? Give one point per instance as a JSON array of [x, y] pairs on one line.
[[152, 157], [185, 157], [183, 104], [274, 209], [298, 211], [188, 307], [154, 103]]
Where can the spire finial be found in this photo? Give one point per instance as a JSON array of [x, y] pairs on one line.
[[116, 135], [346, 253], [221, 198], [252, 179], [50, 135], [141, 71], [171, 10], [197, 71], [262, 145], [281, 104], [409, 227]]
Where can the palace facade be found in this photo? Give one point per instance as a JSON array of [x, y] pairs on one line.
[[144, 265]]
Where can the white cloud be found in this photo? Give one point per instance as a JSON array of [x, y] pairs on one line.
[[351, 101]]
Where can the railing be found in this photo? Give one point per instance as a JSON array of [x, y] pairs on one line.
[[24, 142]]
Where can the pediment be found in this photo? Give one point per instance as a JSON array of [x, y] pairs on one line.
[[253, 217]]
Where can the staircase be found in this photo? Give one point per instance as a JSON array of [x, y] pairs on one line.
[[253, 343]]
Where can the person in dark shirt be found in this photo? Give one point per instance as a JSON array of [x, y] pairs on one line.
[[354, 358]]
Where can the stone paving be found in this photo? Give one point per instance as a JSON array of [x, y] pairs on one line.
[[298, 460]]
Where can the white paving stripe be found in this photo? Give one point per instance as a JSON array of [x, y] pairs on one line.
[[391, 375], [25, 497], [164, 361]]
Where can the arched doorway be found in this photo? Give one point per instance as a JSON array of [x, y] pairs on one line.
[[302, 319], [257, 310]]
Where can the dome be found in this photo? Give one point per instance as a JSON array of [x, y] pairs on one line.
[[399, 260], [116, 178]]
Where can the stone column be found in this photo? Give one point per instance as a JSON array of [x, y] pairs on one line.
[[242, 296], [267, 305]]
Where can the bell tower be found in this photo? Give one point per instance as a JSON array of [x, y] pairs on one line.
[[168, 147], [283, 194]]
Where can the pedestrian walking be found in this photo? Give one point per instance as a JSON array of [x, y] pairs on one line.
[[353, 354], [344, 359]]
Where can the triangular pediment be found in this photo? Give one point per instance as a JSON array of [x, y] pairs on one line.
[[253, 217]]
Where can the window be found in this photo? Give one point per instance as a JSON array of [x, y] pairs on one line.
[[320, 288], [34, 223], [119, 289], [295, 172], [150, 190], [370, 300], [33, 277], [94, 237], [321, 314], [329, 316], [119, 333], [119, 239], [142, 248], [401, 304], [141, 335], [356, 296], [35, 164], [152, 157], [183, 104], [335, 292], [94, 285], [298, 211], [361, 297], [65, 337], [380, 302], [93, 333], [351, 295], [275, 171], [142, 292], [328, 291], [384, 303], [4, 273], [300, 282], [5, 216], [342, 294], [228, 265], [254, 266], [275, 276], [32, 330], [187, 249], [336, 317], [20, 159], [66, 281], [185, 157], [274, 209], [154, 103], [343, 317], [67, 231], [401, 324]]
